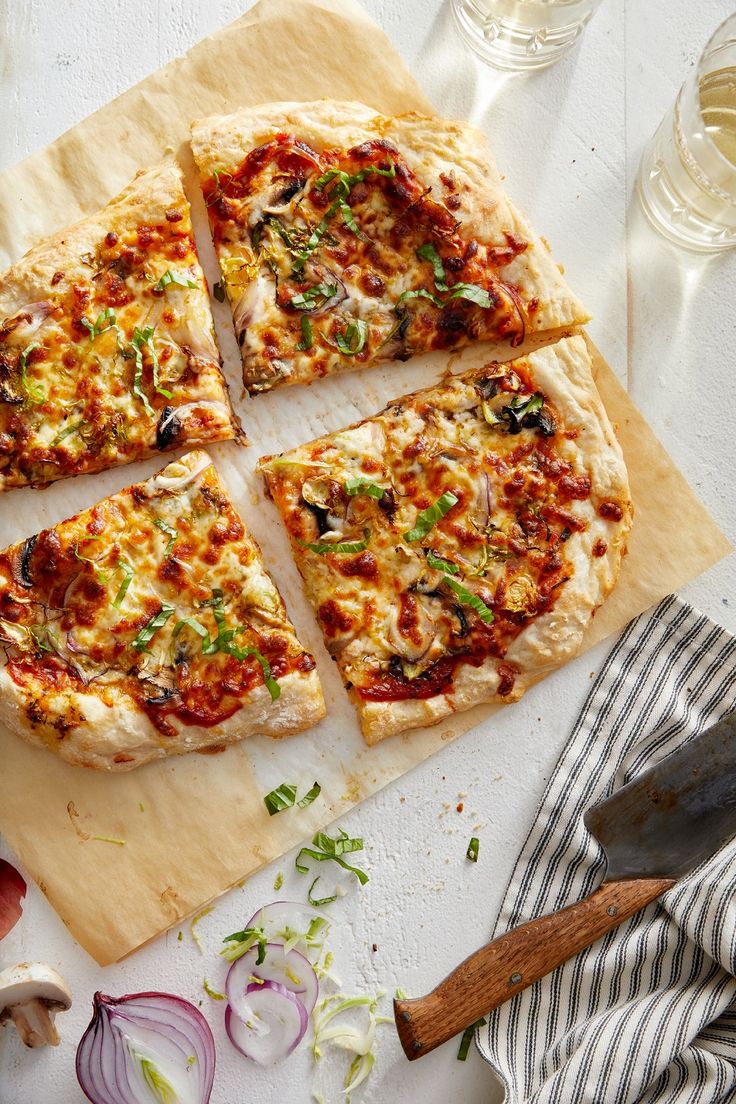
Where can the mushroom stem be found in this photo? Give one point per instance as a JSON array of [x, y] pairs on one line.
[[34, 1022]]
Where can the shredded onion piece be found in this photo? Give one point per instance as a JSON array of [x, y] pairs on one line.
[[178, 482], [12, 892]]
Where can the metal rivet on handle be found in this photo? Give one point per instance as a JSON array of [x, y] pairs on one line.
[[406, 1016], [416, 1045], [515, 979], [612, 910]]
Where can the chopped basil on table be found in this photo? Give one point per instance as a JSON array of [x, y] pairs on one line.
[[310, 796], [283, 797], [467, 1039], [325, 849], [426, 519]]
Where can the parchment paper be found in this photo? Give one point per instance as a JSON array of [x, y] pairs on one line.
[[194, 826]]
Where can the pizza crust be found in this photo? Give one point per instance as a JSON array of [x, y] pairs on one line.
[[102, 728], [563, 374], [33, 281], [430, 146]]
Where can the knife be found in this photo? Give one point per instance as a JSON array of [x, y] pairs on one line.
[[653, 831]]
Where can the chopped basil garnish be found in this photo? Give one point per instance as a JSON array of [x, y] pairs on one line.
[[223, 642], [428, 252], [170, 532], [170, 277], [325, 848], [189, 623], [218, 290], [33, 390], [317, 902], [67, 432], [306, 341], [148, 631], [419, 293], [472, 292], [314, 297], [467, 1039], [310, 796], [473, 848], [441, 565], [426, 519], [105, 321], [343, 547], [472, 600], [247, 938], [283, 797], [353, 340], [128, 574], [363, 487], [141, 339]]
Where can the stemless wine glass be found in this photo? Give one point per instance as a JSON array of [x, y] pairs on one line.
[[687, 176], [521, 34]]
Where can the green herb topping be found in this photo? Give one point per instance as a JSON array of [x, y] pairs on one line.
[[310, 796], [314, 298], [473, 849], [170, 532], [175, 278], [306, 341], [242, 941], [145, 636], [128, 574], [34, 391], [223, 642], [363, 487], [353, 340], [107, 320], [429, 517], [343, 547]]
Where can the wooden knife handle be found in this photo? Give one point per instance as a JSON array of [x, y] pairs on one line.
[[516, 960]]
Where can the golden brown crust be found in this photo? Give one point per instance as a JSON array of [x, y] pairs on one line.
[[451, 157], [93, 676], [580, 555], [78, 396]]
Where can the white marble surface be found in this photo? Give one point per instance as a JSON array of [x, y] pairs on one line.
[[568, 140]]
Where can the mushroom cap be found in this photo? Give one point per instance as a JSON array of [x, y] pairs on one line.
[[33, 981]]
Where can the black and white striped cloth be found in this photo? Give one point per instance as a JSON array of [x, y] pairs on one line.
[[648, 1014]]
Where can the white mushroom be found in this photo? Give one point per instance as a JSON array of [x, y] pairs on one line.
[[30, 995]]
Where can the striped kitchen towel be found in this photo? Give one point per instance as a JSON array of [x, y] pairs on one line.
[[647, 1014]]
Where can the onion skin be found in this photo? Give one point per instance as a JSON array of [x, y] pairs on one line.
[[105, 1064], [12, 891]]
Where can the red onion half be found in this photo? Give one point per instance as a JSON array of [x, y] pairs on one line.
[[12, 892], [146, 1047]]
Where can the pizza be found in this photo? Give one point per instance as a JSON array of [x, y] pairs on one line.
[[148, 626], [456, 546], [346, 238], [107, 348]]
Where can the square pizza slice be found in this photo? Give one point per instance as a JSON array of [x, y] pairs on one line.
[[148, 626], [107, 347], [456, 546], [346, 238]]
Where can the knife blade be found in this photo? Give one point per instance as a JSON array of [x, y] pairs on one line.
[[653, 831]]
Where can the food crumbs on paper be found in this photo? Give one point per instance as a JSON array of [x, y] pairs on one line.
[[109, 839], [278, 882], [193, 926], [141, 806]]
